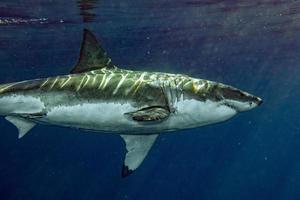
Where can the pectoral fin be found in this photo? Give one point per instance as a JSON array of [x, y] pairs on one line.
[[22, 124], [137, 147], [149, 114]]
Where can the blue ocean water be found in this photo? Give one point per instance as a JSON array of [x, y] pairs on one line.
[[251, 44]]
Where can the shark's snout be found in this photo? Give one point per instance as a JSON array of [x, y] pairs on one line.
[[259, 101], [239, 100], [254, 99]]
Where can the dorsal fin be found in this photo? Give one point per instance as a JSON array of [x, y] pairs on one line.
[[92, 55]]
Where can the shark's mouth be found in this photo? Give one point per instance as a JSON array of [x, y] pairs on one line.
[[231, 106], [239, 106]]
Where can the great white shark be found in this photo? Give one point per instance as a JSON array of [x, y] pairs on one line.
[[138, 105]]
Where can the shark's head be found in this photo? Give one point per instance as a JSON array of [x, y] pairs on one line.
[[225, 95]]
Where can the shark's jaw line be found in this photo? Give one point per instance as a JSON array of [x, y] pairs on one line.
[[138, 105], [240, 106]]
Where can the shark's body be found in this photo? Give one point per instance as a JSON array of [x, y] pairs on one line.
[[99, 100], [98, 96]]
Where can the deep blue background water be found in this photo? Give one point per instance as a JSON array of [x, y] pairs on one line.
[[253, 45]]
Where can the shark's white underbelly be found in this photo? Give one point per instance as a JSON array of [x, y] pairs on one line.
[[109, 116]]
